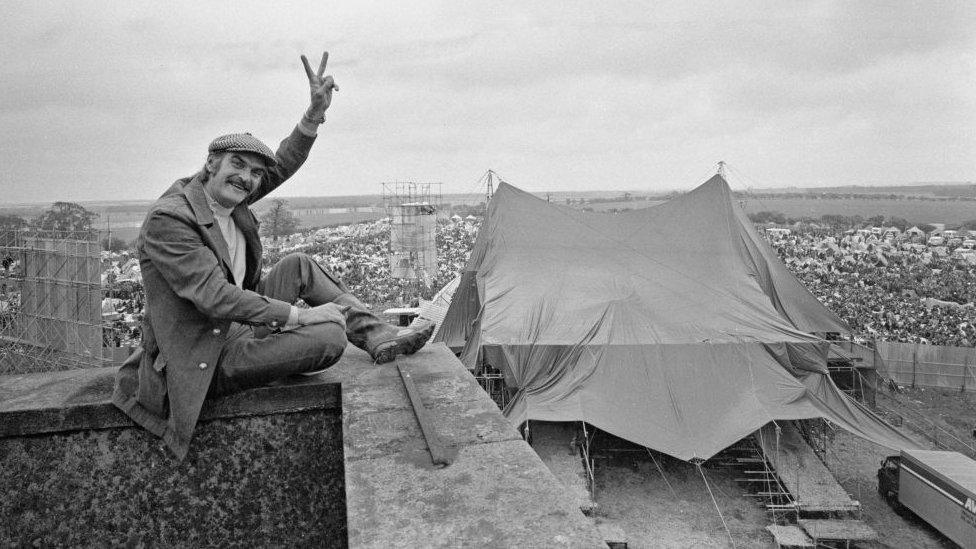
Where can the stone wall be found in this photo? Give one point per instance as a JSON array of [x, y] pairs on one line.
[[274, 480]]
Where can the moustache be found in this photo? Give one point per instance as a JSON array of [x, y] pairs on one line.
[[238, 182]]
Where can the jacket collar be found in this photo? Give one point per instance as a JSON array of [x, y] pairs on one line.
[[197, 198], [198, 201]]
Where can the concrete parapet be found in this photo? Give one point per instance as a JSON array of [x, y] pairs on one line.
[[265, 468], [279, 466], [497, 493]]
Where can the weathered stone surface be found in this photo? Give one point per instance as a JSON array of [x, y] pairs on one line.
[[286, 479], [494, 495], [50, 402], [497, 493], [389, 431], [274, 480]]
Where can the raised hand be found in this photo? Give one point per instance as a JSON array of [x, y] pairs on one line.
[[320, 87]]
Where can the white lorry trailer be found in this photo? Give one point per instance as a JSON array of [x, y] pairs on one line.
[[939, 487]]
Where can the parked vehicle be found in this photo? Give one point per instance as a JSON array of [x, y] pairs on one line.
[[939, 487]]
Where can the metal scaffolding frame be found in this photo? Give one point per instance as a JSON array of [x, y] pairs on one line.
[[412, 208], [50, 301]]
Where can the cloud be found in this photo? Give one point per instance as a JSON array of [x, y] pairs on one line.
[[558, 92]]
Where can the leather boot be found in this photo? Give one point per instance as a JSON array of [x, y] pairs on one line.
[[383, 341]]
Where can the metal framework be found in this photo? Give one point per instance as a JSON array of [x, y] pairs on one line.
[[50, 301], [412, 208], [492, 381]]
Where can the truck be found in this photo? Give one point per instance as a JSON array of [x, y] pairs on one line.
[[937, 486]]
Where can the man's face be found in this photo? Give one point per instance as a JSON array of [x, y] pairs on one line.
[[234, 176]]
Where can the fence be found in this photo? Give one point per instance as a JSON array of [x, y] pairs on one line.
[[920, 365], [50, 301]]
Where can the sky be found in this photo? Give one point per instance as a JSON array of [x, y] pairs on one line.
[[115, 100]]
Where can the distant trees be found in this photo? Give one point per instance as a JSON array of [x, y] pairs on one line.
[[899, 222], [969, 225], [12, 222], [768, 217], [836, 221], [875, 221], [114, 244], [278, 220], [65, 217]]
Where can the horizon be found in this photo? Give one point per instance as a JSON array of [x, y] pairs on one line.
[[379, 195]]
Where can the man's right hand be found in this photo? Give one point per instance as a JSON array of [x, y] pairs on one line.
[[330, 312], [320, 87]]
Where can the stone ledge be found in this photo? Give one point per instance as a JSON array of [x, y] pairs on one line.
[[51, 402], [262, 481], [497, 493]]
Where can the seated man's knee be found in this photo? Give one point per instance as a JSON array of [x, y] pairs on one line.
[[296, 259], [330, 340], [304, 263]]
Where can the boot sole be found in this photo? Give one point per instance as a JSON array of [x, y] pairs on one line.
[[406, 345]]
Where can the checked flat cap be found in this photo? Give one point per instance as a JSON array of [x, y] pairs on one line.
[[243, 142]]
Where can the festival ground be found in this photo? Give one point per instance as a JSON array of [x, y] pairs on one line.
[[635, 500]]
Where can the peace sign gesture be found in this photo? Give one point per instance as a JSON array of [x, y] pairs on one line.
[[320, 87]]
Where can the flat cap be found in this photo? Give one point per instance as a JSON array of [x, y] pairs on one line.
[[243, 142]]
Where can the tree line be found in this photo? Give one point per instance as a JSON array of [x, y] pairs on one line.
[[69, 220], [849, 222]]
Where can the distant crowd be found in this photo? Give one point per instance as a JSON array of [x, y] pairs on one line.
[[359, 254], [889, 286]]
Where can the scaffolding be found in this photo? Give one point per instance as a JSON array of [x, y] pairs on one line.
[[492, 381], [412, 208], [50, 301]]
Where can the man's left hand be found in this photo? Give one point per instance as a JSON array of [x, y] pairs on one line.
[[320, 87]]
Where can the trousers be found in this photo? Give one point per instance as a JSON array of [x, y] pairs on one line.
[[255, 356]]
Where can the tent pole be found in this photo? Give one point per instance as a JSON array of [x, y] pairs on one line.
[[659, 470], [914, 363], [715, 503]]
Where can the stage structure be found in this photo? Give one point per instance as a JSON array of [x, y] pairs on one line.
[[412, 208], [50, 301]]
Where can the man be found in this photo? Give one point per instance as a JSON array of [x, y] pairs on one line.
[[212, 324]]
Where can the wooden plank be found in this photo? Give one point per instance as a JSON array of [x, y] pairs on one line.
[[811, 485], [790, 536], [833, 529], [441, 454]]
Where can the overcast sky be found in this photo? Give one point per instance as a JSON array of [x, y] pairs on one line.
[[115, 100]]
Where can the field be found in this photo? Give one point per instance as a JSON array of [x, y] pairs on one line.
[[915, 211], [634, 498], [331, 219], [130, 231]]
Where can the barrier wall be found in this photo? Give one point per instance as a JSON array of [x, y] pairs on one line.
[[936, 366]]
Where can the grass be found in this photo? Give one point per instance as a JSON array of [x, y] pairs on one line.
[[915, 211], [951, 212]]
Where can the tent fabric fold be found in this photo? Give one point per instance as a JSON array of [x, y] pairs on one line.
[[675, 327]]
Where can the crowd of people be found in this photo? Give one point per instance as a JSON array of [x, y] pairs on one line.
[[893, 288], [890, 287], [359, 254]]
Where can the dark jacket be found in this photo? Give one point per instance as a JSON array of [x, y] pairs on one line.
[[191, 300]]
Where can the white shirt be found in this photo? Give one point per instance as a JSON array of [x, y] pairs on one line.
[[236, 247]]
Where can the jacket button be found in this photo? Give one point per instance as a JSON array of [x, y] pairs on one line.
[[203, 365], [216, 331]]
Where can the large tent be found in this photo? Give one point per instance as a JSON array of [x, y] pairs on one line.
[[675, 326]]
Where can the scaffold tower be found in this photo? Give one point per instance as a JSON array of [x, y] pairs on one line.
[[412, 208]]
